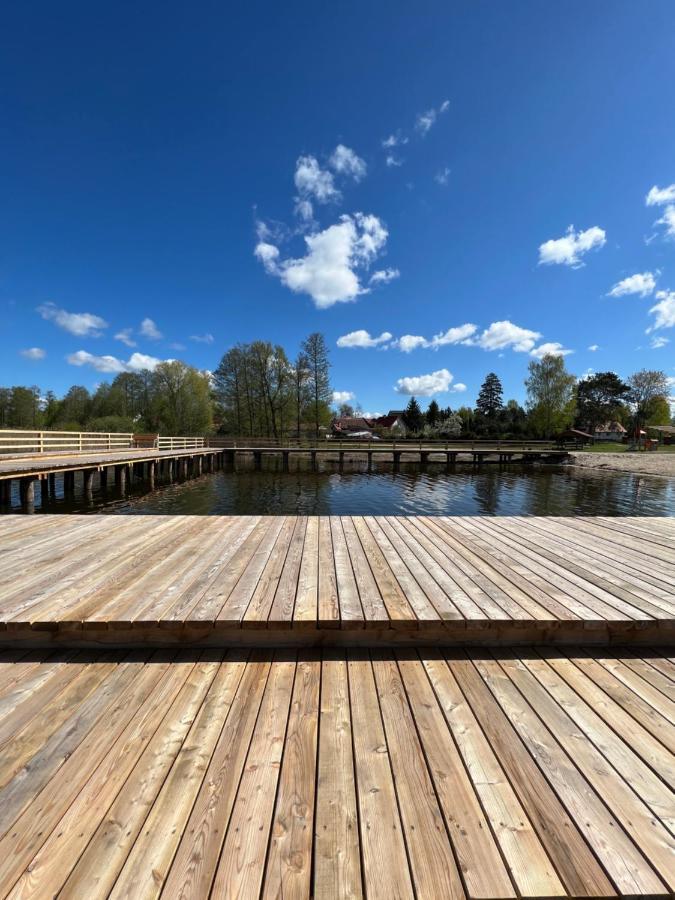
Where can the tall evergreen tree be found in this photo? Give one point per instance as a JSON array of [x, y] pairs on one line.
[[413, 416], [490, 395], [433, 413]]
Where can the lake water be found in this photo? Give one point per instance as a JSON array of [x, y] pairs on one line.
[[537, 491]]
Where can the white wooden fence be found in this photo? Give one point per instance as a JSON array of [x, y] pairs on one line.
[[29, 443]]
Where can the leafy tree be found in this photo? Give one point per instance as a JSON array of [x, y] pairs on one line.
[[111, 424], [345, 409], [550, 395], [490, 396], [24, 408], [75, 408], [413, 417], [658, 411], [445, 427], [600, 399], [181, 399], [301, 388], [315, 349], [433, 413], [644, 387]]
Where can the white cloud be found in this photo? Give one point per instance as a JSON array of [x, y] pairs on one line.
[[149, 330], [552, 348], [642, 283], [329, 270], [362, 338], [660, 196], [314, 182], [111, 364], [658, 342], [346, 162], [568, 250], [34, 353], [409, 342], [202, 338], [664, 311], [502, 335], [594, 347], [442, 177], [425, 385], [304, 209], [392, 160], [426, 120], [384, 276], [80, 324], [343, 396], [457, 335], [461, 334], [458, 388], [394, 140], [125, 337], [668, 219]]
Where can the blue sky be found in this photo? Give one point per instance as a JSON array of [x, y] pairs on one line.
[[158, 163]]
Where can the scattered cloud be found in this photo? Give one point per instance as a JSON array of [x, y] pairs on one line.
[[202, 338], [33, 353], [425, 385], [394, 140], [149, 330], [175, 345], [502, 335], [125, 337], [346, 162], [664, 311], [384, 276], [137, 362], [658, 342], [442, 177], [394, 161], [304, 209], [329, 272], [552, 348], [363, 339], [660, 196], [568, 250], [426, 120], [594, 347], [461, 334], [313, 182], [81, 324], [343, 396], [642, 283], [664, 197]]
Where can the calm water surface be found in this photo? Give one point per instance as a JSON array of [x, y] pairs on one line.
[[563, 491]]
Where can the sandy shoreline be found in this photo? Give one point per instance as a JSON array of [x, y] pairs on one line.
[[639, 463]]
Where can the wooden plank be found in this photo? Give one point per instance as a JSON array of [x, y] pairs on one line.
[[432, 863], [148, 862], [288, 867], [307, 594], [194, 865], [480, 862], [283, 606], [351, 611], [557, 829], [524, 852], [383, 850], [373, 606], [272, 558], [242, 861], [398, 608], [328, 601], [606, 810], [337, 861]]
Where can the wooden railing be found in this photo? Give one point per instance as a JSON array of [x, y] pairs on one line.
[[344, 443], [35, 442], [180, 443]]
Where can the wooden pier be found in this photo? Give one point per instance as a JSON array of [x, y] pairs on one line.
[[440, 774], [345, 580]]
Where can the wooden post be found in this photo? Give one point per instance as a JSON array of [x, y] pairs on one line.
[[103, 478], [89, 483], [397, 460], [341, 460], [151, 474], [370, 460], [52, 484], [257, 460], [41, 442], [121, 479], [312, 454], [68, 483], [424, 458], [184, 467], [200, 464], [27, 493], [284, 460]]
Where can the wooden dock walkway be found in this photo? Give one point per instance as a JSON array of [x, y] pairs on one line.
[[295, 580], [336, 774]]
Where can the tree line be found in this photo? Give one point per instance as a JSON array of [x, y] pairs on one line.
[[556, 401], [256, 391]]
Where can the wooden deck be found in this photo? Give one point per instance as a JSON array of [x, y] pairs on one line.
[[287, 580], [357, 773]]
